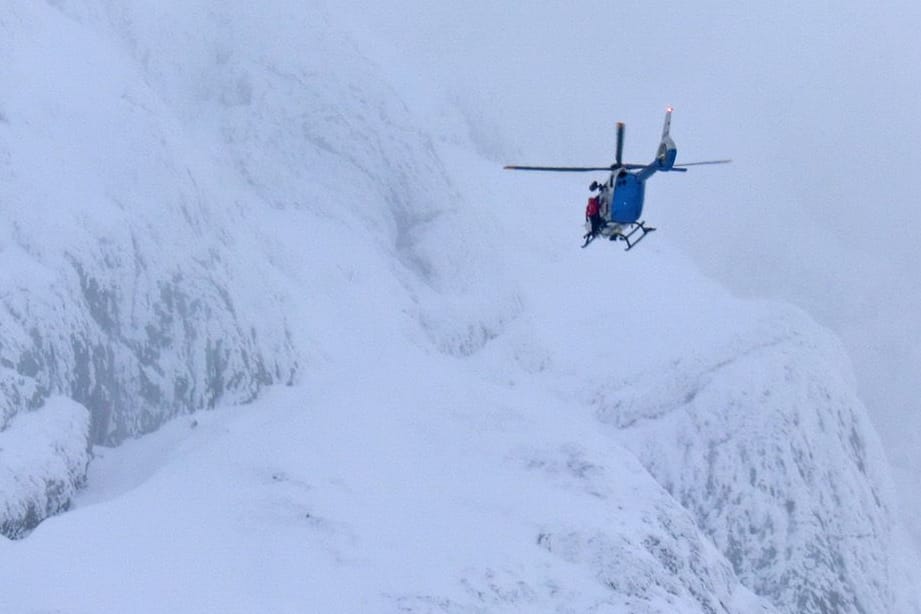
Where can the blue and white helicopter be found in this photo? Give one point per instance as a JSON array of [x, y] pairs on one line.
[[619, 201]]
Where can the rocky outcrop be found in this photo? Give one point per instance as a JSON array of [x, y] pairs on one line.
[[43, 459], [764, 440]]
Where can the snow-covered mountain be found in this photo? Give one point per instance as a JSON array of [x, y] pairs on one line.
[[201, 203], [763, 439]]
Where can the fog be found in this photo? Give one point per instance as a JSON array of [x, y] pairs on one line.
[[814, 102]]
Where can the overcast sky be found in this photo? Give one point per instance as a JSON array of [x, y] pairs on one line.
[[816, 103]]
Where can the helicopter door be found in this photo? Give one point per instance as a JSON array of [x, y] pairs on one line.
[[608, 190], [604, 204], [605, 198]]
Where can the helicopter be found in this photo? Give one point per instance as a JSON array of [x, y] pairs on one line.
[[619, 201]]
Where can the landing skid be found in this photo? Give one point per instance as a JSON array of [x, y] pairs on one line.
[[626, 236], [624, 232]]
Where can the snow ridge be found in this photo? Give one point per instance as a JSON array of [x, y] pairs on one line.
[[765, 442], [43, 460]]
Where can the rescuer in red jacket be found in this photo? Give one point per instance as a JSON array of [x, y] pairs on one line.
[[593, 215]]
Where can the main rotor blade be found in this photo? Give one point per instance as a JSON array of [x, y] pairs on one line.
[[620, 143], [576, 169], [561, 169], [683, 164]]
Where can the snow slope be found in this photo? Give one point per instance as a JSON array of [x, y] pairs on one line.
[[122, 283], [480, 417], [446, 496]]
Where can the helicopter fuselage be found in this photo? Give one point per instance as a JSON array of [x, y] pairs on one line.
[[625, 204]]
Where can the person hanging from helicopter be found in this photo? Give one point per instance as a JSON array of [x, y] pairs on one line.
[[593, 214]]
